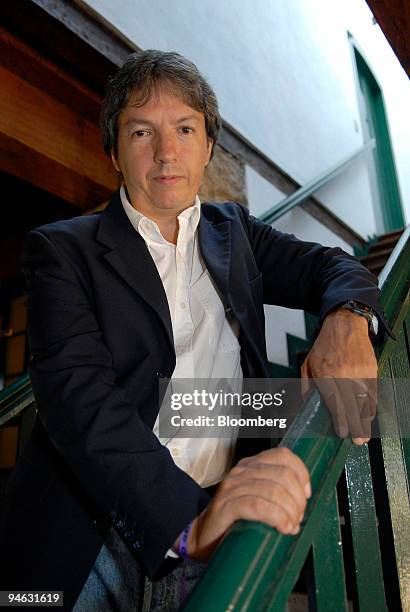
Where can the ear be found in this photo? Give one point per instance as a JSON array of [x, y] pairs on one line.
[[115, 161], [209, 146]]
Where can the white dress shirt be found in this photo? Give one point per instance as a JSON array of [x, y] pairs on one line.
[[206, 343]]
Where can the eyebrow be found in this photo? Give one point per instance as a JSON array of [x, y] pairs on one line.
[[140, 121]]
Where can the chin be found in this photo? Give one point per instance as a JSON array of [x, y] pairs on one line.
[[174, 203]]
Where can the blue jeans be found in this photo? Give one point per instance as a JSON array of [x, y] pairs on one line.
[[117, 584]]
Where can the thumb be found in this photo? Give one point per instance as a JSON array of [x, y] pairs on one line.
[[306, 383]]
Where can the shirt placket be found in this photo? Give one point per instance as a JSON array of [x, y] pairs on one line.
[[184, 327]]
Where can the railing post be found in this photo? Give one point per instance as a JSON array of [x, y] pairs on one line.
[[363, 522], [329, 574]]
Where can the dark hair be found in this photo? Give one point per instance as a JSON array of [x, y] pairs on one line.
[[143, 72]]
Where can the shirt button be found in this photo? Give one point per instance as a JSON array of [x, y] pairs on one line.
[[175, 452], [183, 305]]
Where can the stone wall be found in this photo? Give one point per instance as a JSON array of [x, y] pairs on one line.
[[224, 179]]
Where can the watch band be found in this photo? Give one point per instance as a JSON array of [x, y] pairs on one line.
[[364, 311]]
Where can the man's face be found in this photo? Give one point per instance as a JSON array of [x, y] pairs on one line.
[[162, 153]]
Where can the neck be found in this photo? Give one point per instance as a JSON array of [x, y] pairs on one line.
[[169, 229], [165, 219]]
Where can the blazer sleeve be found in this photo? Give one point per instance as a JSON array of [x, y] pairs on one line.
[[122, 467], [308, 275]]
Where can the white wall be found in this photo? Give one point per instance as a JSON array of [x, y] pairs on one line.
[[394, 83], [282, 71]]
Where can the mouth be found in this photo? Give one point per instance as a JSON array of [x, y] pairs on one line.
[[167, 180]]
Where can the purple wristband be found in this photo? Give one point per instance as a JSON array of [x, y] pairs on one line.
[[183, 541]]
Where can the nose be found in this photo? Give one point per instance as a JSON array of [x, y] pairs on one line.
[[165, 150]]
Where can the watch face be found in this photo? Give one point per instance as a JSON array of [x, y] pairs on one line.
[[366, 312], [374, 325], [360, 306]]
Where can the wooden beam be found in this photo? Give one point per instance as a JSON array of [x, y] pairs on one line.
[[50, 145], [90, 27], [393, 16], [57, 31], [29, 165], [42, 73]]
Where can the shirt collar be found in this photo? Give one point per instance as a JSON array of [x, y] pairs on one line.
[[188, 219]]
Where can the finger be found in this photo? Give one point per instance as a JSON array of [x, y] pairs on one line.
[[337, 411], [360, 441], [272, 491], [365, 391], [271, 480], [305, 387], [372, 389], [306, 383], [354, 396], [285, 457], [330, 393], [253, 508], [366, 418]]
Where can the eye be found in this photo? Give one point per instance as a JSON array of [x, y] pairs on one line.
[[139, 133], [187, 129]]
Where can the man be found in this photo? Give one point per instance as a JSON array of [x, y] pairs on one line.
[[159, 286]]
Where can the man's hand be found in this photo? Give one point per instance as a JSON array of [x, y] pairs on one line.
[[271, 487], [343, 351]]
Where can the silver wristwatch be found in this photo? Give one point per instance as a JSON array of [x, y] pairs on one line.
[[366, 312]]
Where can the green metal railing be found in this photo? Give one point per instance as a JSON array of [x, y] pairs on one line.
[[255, 568], [15, 398], [304, 192]]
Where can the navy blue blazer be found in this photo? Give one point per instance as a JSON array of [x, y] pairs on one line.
[[100, 337]]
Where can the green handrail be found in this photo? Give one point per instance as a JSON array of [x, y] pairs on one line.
[[256, 567], [304, 192], [15, 397]]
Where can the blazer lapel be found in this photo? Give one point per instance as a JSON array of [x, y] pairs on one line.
[[129, 256], [215, 246]]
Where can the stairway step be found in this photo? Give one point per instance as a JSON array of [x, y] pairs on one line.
[[383, 245], [376, 270], [390, 235], [375, 259]]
